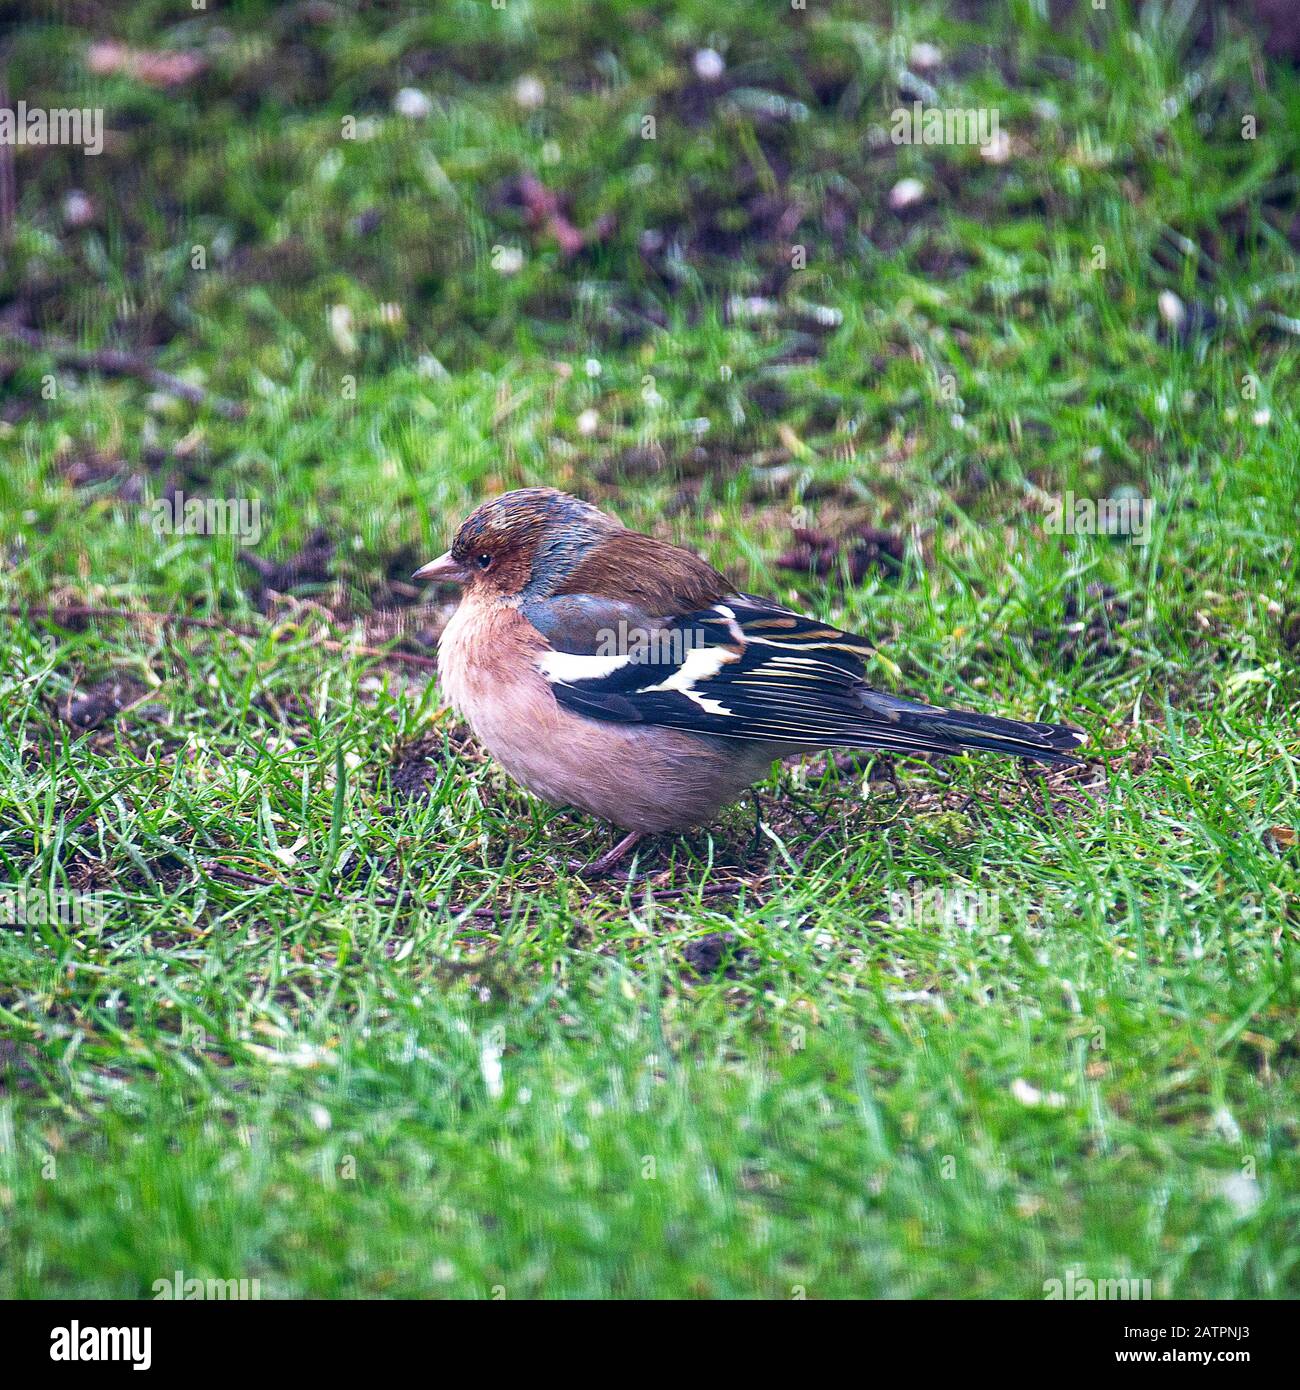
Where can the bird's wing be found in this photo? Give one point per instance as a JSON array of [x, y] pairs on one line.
[[747, 669]]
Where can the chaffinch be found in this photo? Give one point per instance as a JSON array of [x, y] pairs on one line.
[[611, 671]]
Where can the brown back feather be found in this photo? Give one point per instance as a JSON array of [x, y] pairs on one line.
[[662, 578]]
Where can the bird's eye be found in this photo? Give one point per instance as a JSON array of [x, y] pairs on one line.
[[484, 562]]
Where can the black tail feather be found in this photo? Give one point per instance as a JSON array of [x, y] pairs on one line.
[[1047, 743]]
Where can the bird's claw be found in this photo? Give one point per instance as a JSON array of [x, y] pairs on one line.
[[602, 864]]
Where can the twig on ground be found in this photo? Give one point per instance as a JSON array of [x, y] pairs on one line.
[[73, 611], [117, 362]]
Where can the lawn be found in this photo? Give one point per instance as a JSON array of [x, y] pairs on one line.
[[296, 987]]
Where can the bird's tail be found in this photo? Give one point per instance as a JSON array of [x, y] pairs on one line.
[[950, 730]]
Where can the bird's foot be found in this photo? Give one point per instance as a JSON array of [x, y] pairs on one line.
[[605, 862]]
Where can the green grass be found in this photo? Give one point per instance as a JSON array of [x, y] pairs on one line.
[[410, 1052]]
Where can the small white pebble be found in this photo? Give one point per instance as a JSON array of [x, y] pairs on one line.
[[340, 326], [78, 210], [509, 260], [708, 64], [1032, 1096], [750, 307], [1241, 1193], [1262, 417], [1172, 309], [592, 367], [925, 56], [320, 1117], [588, 422], [412, 103], [490, 1065], [1024, 1092], [906, 193], [529, 92]]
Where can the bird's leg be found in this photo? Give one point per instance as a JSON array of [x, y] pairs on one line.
[[610, 858], [758, 821], [890, 769]]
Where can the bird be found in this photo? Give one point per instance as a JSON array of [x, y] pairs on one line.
[[624, 676]]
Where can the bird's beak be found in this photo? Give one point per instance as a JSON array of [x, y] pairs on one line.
[[444, 570]]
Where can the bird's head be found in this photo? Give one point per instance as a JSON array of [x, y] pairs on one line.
[[521, 544]]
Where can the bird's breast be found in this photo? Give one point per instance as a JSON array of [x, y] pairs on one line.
[[487, 656], [639, 777]]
